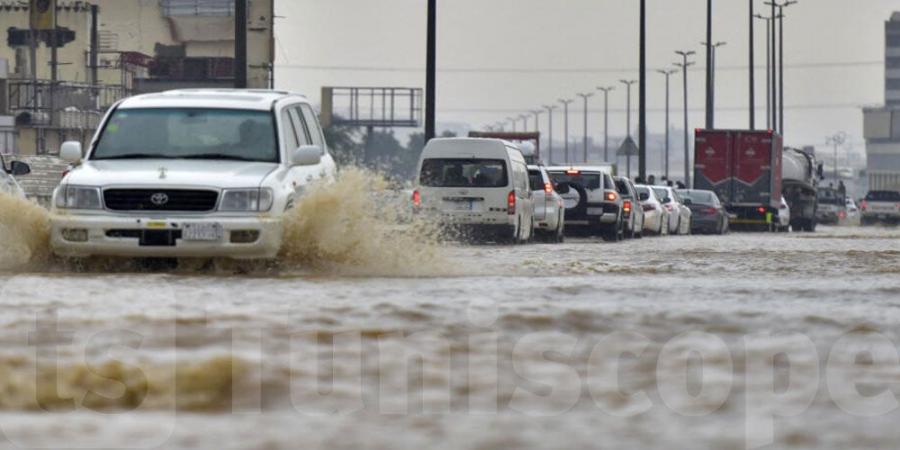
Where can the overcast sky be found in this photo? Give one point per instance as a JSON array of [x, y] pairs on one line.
[[500, 58]]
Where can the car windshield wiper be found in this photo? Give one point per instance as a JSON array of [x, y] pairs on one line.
[[219, 156], [133, 156]]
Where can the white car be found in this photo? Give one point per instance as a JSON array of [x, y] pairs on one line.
[[656, 217], [8, 183], [784, 217], [549, 211], [853, 213], [191, 173], [477, 187], [679, 213]]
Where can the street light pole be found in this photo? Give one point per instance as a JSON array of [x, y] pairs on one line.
[[668, 74], [524, 118], [585, 97], [712, 70], [710, 117], [642, 97], [837, 140], [550, 109], [431, 72], [781, 63], [606, 91], [687, 149], [628, 84], [768, 69], [566, 103], [512, 120], [752, 70]]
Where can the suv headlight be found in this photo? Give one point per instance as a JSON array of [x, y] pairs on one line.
[[247, 200], [78, 197]]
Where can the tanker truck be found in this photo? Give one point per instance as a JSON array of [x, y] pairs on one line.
[[800, 178]]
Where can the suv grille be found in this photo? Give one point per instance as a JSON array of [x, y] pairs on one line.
[[160, 200]]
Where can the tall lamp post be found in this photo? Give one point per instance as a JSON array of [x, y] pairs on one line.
[[752, 70], [628, 84], [711, 102], [778, 92], [668, 73], [837, 140], [537, 124], [524, 118], [550, 109], [585, 97], [606, 90], [642, 96], [687, 148], [566, 103], [431, 72], [768, 69], [710, 116]]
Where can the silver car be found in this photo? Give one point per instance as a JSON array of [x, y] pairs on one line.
[[679, 214], [549, 210], [8, 184]]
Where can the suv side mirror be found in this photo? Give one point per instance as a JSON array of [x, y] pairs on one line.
[[306, 155], [644, 197], [17, 168], [70, 152], [563, 188]]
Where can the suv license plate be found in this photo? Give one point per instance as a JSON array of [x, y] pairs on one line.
[[202, 232], [595, 211]]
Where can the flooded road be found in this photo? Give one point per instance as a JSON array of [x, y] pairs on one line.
[[739, 341]]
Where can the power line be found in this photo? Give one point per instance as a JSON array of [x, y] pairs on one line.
[[569, 70]]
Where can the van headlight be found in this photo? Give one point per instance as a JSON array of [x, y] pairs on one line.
[[78, 197], [247, 200]]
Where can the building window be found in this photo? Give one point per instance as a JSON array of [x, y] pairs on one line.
[[202, 8]]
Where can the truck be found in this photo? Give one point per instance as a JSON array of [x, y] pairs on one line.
[[744, 168], [800, 175]]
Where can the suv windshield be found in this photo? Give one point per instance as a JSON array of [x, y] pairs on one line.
[[189, 133], [701, 197], [589, 181], [483, 173], [883, 196]]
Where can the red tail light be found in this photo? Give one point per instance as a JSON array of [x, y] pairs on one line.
[[864, 205], [511, 203], [627, 206], [649, 207], [842, 215], [612, 196], [761, 210], [711, 211], [417, 199], [548, 188]]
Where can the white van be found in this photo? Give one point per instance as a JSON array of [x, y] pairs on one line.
[[479, 186]]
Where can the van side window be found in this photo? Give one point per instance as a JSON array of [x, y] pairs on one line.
[[289, 131], [302, 132], [312, 124]]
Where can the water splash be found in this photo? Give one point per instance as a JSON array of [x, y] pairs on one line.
[[354, 227], [24, 233]]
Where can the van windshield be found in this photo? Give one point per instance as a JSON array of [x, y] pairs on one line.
[[473, 173], [188, 133]]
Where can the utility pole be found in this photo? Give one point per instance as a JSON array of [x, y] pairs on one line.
[[537, 124], [711, 102], [240, 44], [710, 115], [628, 84], [687, 148], [606, 91], [585, 96], [781, 63], [668, 74], [524, 118], [768, 69], [550, 109], [752, 71], [642, 97], [566, 103], [431, 72], [512, 120]]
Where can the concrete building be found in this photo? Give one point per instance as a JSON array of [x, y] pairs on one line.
[[110, 49], [882, 124]]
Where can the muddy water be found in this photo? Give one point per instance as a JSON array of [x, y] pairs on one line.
[[696, 342]]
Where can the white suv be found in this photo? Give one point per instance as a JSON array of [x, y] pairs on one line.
[[191, 173]]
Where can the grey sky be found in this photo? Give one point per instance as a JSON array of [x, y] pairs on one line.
[[568, 46]]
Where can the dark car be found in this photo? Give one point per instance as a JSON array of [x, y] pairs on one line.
[[709, 216]]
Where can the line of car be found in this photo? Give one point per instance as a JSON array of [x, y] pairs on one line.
[[485, 189]]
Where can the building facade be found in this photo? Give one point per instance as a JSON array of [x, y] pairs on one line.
[[109, 49], [882, 124]]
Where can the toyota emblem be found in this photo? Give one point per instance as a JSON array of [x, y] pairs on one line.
[[159, 199]]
